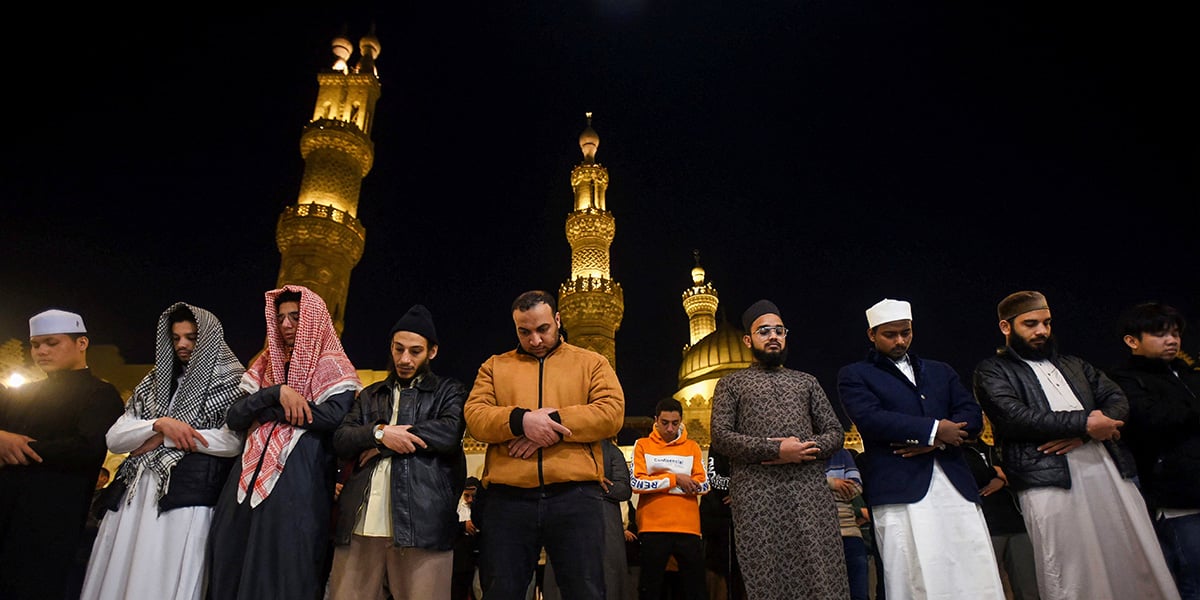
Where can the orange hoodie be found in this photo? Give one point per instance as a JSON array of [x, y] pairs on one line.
[[662, 505]]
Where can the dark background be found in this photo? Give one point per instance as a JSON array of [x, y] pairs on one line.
[[821, 154]]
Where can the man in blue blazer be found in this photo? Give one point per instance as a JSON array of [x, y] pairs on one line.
[[913, 415]]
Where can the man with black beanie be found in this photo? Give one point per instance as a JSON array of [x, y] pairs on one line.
[[398, 512]]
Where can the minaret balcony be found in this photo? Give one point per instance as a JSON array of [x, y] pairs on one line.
[[339, 136], [593, 284], [334, 124], [320, 224]]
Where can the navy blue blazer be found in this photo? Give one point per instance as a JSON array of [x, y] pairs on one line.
[[889, 411]]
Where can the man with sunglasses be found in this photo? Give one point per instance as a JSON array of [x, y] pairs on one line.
[[777, 427], [914, 415]]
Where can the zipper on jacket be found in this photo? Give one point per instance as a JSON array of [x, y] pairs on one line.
[[541, 377]]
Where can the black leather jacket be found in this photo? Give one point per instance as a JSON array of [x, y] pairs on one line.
[[426, 484], [1011, 396]]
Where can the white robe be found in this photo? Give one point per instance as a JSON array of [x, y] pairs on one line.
[[138, 552], [938, 547], [1094, 540]]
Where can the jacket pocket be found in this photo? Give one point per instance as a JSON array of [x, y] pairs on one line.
[[197, 480]]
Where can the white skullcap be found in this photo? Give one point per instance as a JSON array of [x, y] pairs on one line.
[[888, 310], [55, 321]]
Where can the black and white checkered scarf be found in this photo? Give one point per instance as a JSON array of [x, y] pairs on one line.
[[209, 385]]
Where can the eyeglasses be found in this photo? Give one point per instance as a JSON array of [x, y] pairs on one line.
[[765, 331], [293, 316]]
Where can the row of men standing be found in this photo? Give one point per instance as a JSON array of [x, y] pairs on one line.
[[546, 409], [202, 505], [1058, 422], [228, 490]]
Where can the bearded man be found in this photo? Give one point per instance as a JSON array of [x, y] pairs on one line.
[[1057, 420], [545, 409], [777, 428], [914, 414], [397, 518]]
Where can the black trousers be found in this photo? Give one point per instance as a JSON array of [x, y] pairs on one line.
[[656, 549]]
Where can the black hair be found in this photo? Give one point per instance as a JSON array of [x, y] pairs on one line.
[[1150, 317], [668, 405], [180, 315], [287, 296], [533, 298]]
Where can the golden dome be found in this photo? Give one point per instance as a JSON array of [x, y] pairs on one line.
[[717, 354]]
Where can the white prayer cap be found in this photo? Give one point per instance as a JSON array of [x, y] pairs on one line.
[[55, 321], [888, 310]]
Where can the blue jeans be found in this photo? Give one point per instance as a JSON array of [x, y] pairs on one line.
[[1180, 541], [516, 523], [857, 567]]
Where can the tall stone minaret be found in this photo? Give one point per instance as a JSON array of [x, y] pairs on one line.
[[591, 304], [700, 303], [320, 238]]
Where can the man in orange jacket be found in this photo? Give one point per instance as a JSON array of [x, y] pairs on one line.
[[545, 409]]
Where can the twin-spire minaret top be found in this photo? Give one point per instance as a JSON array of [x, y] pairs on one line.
[[368, 46], [319, 237]]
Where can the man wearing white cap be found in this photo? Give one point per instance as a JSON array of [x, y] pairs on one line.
[[913, 415], [51, 450]]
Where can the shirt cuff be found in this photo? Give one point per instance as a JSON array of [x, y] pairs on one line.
[[516, 421]]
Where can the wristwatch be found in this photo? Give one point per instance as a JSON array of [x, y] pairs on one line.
[[379, 433]]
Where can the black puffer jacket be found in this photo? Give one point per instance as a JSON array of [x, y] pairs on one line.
[[426, 484], [1163, 429], [1011, 396]]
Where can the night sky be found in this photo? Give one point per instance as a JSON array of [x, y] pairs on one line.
[[824, 155]]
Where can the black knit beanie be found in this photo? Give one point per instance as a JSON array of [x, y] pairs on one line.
[[419, 321]]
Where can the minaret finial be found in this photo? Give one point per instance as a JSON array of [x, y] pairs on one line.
[[697, 271], [700, 302], [342, 49], [589, 141], [369, 48]]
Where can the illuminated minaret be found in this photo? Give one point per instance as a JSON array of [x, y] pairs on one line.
[[320, 238], [700, 303], [714, 350], [591, 304]]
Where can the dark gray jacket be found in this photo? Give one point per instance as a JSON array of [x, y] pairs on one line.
[[427, 484], [1011, 396]]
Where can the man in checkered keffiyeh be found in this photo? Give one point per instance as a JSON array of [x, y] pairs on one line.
[[270, 534], [153, 544]]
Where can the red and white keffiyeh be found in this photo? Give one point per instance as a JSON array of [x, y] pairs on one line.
[[318, 369]]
